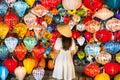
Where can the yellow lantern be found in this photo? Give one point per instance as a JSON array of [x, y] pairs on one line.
[[117, 57], [29, 64], [30, 2], [3, 30], [102, 76]]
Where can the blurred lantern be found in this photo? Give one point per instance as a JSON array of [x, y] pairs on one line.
[[20, 7], [92, 26], [38, 52], [71, 12], [30, 20], [20, 29], [10, 64], [92, 49], [53, 26], [103, 35], [3, 30], [11, 43], [103, 14], [111, 68], [71, 24], [50, 64], [29, 42], [81, 12], [57, 19], [91, 70], [117, 15], [113, 25], [20, 72], [20, 51], [36, 3], [87, 18], [113, 3], [117, 36], [3, 9], [40, 20], [38, 73], [39, 31], [48, 19], [48, 50], [3, 72], [30, 33], [117, 77], [50, 3], [88, 35], [76, 18], [62, 12], [47, 35], [39, 10], [93, 4], [80, 54], [103, 57], [30, 3], [66, 19], [112, 47], [75, 34], [102, 76], [81, 40], [71, 4], [42, 63], [80, 27], [29, 64], [10, 2], [54, 11], [11, 20], [117, 57], [3, 52]]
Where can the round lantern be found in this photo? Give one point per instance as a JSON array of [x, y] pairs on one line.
[[11, 64], [102, 76], [50, 3], [103, 57], [112, 47], [93, 4], [92, 26], [88, 35], [113, 25], [117, 36], [91, 70], [80, 27], [92, 49], [117, 57], [111, 68], [117, 77], [113, 3], [103, 35], [75, 34], [11, 20], [71, 4], [80, 55]]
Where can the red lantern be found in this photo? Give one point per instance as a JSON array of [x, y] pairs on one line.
[[92, 70], [112, 68], [88, 35], [38, 52], [50, 3], [117, 36], [66, 19], [11, 20], [11, 64], [93, 4], [103, 35], [75, 34], [20, 51]]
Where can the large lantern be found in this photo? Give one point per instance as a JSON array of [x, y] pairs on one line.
[[91, 70], [102, 76], [111, 68]]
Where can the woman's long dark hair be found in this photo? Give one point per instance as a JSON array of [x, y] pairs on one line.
[[66, 42]]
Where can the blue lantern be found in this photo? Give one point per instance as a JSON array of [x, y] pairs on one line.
[[3, 9], [3, 72], [3, 52]]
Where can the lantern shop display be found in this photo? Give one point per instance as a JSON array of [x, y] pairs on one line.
[[28, 33]]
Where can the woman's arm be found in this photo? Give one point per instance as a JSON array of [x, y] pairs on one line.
[[56, 52]]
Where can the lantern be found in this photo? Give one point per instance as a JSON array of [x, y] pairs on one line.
[[3, 9], [92, 26], [117, 36], [75, 34], [11, 20], [113, 25], [29, 64], [20, 51], [3, 72], [38, 52], [80, 27], [3, 30], [30, 2], [81, 40], [50, 3], [71, 4], [38, 73], [92, 49], [93, 4], [103, 35], [117, 77], [91, 70], [88, 35], [103, 57], [10, 2], [102, 76], [10, 64], [117, 57], [112, 68], [3, 52], [20, 72], [80, 55]]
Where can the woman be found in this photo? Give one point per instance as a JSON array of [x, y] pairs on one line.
[[64, 49]]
